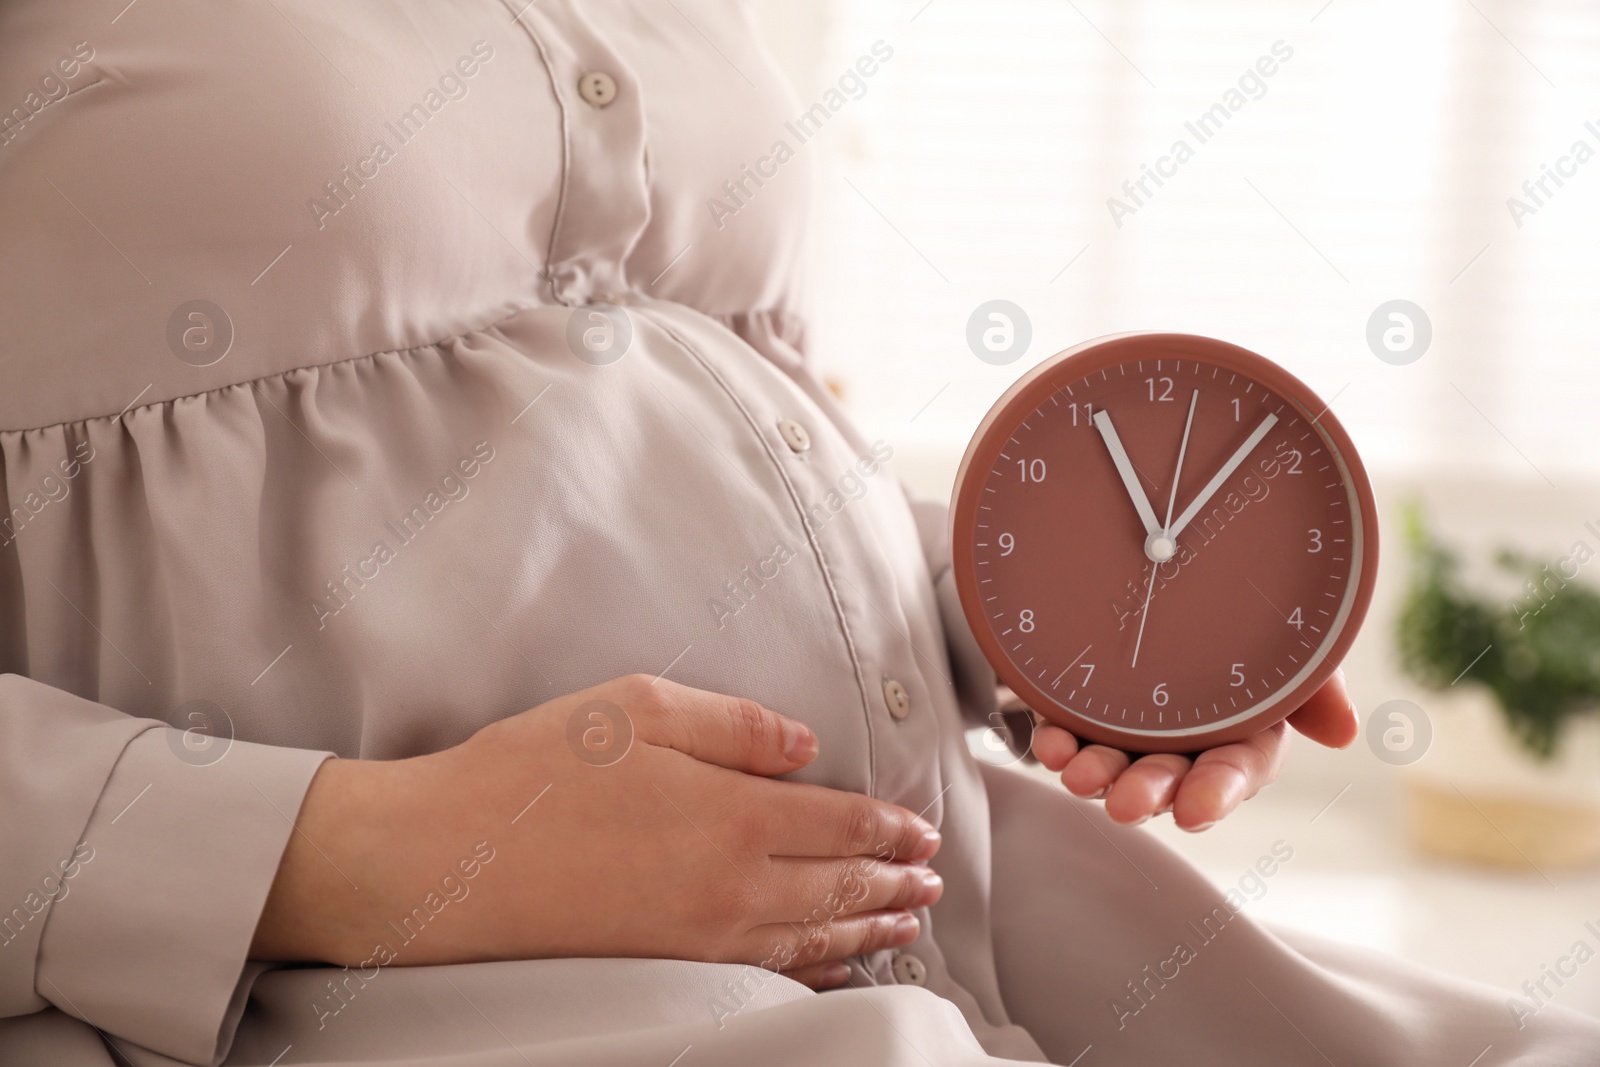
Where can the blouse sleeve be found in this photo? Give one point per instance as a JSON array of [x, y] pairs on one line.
[[975, 679], [132, 877], [985, 702]]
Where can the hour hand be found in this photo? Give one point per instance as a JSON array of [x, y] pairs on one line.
[[1130, 478]]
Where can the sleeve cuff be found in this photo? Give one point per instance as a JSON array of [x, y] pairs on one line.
[[152, 941], [56, 751]]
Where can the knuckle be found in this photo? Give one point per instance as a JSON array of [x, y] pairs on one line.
[[750, 724], [899, 837], [816, 944], [727, 902], [638, 694], [748, 826], [859, 881], [878, 933], [908, 889], [859, 829]]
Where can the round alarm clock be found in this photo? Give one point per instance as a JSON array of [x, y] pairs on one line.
[[1163, 542]]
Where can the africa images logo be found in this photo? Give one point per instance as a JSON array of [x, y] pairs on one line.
[[851, 85], [451, 85], [1251, 85]]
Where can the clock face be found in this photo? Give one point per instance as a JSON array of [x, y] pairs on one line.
[[1163, 542]]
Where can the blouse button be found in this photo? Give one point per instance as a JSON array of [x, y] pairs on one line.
[[897, 699], [794, 435], [908, 970], [598, 88]]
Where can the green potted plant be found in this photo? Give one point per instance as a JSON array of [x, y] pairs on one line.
[[1514, 778]]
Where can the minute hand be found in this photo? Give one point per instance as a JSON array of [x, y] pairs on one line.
[[1223, 475]]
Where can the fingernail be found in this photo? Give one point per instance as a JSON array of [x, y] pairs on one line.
[[1140, 821], [927, 846], [799, 743], [932, 886], [834, 974], [1197, 828], [905, 930]]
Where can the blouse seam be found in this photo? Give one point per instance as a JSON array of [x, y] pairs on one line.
[[559, 218], [484, 328], [810, 534], [493, 325]]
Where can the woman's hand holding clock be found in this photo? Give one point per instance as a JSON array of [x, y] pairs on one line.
[[1227, 616], [1201, 790]]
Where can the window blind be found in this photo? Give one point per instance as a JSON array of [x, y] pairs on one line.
[[1006, 152]]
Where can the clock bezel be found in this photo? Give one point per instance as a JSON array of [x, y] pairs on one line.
[[1092, 356]]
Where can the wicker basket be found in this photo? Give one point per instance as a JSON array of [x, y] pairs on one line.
[[1478, 796], [1501, 831]]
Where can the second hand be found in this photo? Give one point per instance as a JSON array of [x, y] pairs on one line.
[[1172, 498]]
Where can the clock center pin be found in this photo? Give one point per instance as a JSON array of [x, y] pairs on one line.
[[1159, 547]]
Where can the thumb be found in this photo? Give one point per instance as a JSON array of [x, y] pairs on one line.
[[730, 732], [1329, 717]]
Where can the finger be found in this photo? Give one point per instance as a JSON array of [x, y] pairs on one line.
[[827, 889], [820, 976], [728, 731], [806, 944], [1053, 746], [1329, 717], [1090, 773], [1146, 787], [1224, 777], [800, 820]]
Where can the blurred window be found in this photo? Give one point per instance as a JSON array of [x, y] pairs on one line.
[[1377, 160]]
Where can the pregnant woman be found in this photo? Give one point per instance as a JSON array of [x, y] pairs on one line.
[[445, 622]]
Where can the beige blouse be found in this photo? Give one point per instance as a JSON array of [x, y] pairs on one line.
[[375, 370], [306, 447]]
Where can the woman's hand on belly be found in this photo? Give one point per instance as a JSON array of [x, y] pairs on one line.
[[1200, 791], [528, 841]]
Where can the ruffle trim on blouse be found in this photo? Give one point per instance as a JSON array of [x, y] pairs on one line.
[[754, 327]]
